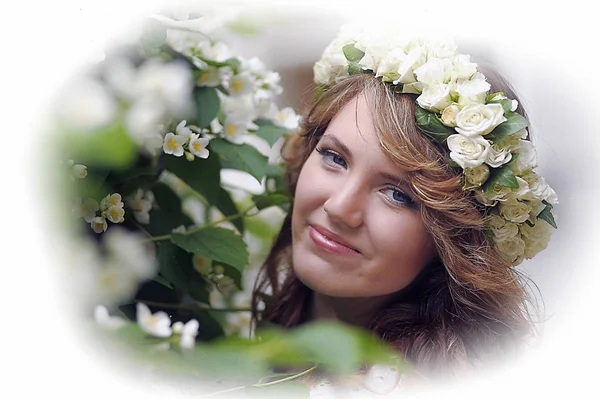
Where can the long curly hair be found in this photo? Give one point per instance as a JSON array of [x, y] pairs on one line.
[[465, 308]]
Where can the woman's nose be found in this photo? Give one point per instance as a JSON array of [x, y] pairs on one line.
[[346, 203]]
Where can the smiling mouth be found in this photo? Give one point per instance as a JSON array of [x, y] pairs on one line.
[[324, 241]]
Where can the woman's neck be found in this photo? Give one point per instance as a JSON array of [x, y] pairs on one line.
[[354, 311]]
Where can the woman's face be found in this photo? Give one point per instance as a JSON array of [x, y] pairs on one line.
[[356, 228]]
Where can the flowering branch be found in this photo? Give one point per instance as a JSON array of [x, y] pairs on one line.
[[212, 224]]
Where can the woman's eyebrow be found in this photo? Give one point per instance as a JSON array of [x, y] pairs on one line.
[[396, 180], [337, 143]]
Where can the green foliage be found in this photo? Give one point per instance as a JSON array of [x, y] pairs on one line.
[[241, 157], [352, 54], [513, 123], [226, 205], [215, 243], [502, 176], [431, 126], [546, 214], [506, 104], [208, 105], [109, 147], [271, 133], [202, 175], [271, 199]]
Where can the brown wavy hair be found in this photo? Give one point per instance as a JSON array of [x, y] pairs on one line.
[[463, 309]]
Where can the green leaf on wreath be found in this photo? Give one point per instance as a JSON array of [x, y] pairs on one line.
[[431, 126], [502, 176], [218, 244], [202, 175], [506, 104], [208, 105], [226, 205], [514, 122], [241, 157], [354, 69], [352, 54], [546, 215], [271, 133]]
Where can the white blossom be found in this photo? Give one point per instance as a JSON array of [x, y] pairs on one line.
[[79, 171], [113, 199], [187, 332], [234, 132], [88, 209], [173, 144], [287, 118], [116, 214], [104, 319], [157, 324], [183, 130], [197, 145], [99, 224]]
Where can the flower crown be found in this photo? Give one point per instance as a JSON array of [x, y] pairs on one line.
[[481, 132]]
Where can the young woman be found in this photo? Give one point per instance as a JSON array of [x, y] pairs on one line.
[[414, 197]]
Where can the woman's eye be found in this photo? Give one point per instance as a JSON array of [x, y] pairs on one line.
[[332, 158], [397, 196]]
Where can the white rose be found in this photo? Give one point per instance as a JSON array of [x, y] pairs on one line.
[[515, 211], [479, 119], [441, 48], [540, 189], [449, 115], [512, 142], [522, 192], [475, 177], [434, 71], [435, 97], [527, 156], [414, 59], [472, 87], [536, 237], [389, 65], [473, 90], [502, 229], [498, 157], [321, 71], [513, 249], [468, 152], [463, 67]]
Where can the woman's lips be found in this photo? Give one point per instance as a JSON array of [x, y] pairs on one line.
[[328, 241]]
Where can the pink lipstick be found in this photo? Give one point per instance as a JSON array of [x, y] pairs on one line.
[[330, 242]]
